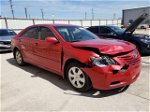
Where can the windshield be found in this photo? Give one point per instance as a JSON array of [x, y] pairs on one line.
[[7, 32], [117, 29], [75, 33]]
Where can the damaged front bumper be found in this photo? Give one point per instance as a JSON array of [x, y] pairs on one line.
[[115, 76]]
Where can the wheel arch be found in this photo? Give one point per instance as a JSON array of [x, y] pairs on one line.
[[68, 62], [14, 50]]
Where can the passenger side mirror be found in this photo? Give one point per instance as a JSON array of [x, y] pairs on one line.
[[52, 40]]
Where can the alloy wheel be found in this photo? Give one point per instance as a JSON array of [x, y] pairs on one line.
[[76, 77], [18, 57]]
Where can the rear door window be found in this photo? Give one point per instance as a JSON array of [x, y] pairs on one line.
[[31, 33]]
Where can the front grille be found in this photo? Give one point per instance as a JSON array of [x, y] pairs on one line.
[[130, 58], [4, 47], [7, 42]]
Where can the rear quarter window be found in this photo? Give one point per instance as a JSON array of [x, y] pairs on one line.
[[30, 33]]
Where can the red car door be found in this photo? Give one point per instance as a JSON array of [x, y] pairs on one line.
[[25, 42], [46, 54], [24, 46]]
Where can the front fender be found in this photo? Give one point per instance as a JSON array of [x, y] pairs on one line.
[[79, 54]]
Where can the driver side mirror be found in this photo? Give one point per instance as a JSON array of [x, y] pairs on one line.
[[52, 40]]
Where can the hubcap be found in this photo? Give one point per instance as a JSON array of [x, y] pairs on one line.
[[18, 57], [76, 77]]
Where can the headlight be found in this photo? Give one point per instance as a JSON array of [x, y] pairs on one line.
[[145, 40], [103, 61]]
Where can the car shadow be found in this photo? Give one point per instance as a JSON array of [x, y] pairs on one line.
[[145, 55], [63, 84], [4, 52]]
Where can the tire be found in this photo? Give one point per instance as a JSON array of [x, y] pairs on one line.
[[19, 58], [122, 89], [77, 78]]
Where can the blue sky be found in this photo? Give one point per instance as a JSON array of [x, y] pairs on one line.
[[70, 9]]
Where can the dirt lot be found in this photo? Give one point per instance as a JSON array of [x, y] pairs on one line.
[[30, 88]]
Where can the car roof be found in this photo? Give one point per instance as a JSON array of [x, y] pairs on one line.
[[54, 25], [104, 26]]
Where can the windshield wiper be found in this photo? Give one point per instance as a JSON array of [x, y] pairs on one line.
[[75, 41]]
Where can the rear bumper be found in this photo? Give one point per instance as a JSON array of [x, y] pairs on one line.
[[105, 79]]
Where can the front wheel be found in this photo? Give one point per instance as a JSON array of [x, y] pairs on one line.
[[77, 78]]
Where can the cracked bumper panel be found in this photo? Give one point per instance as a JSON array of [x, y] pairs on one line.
[[104, 78]]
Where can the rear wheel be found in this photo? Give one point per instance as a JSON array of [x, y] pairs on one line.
[[77, 78], [19, 58]]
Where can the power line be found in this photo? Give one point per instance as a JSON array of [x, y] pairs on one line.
[[12, 10]]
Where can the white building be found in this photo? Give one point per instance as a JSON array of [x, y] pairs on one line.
[[129, 15]]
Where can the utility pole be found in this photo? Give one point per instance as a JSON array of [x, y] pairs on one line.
[[26, 13], [92, 13], [114, 16], [29, 16], [12, 10], [85, 15], [42, 13]]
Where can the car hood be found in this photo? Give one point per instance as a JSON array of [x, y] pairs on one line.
[[6, 38], [106, 46], [131, 28]]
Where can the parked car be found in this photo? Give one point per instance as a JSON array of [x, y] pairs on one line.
[[78, 55], [141, 41], [5, 39]]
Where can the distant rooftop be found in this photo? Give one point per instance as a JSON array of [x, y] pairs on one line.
[[138, 8]]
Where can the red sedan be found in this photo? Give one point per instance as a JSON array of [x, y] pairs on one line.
[[78, 55]]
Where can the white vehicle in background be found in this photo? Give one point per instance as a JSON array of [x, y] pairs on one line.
[[5, 39]]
